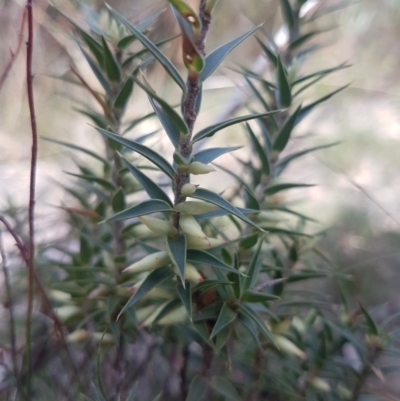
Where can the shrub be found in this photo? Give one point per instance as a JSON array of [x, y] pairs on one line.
[[168, 290]]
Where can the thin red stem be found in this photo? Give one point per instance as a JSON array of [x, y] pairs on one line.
[[32, 188]]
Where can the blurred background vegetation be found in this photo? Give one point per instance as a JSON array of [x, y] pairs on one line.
[[356, 199]]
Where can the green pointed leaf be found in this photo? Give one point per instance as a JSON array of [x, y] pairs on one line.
[[169, 307], [94, 46], [372, 327], [97, 71], [185, 293], [101, 181], [152, 280], [249, 242], [287, 13], [260, 151], [307, 109], [118, 201], [284, 162], [284, 90], [321, 73], [283, 136], [110, 64], [215, 58], [132, 394], [148, 44], [301, 40], [208, 155], [225, 388], [99, 394], [198, 256], [275, 188], [152, 189], [210, 131], [273, 58], [226, 317], [86, 252], [124, 94], [258, 95], [218, 200], [173, 124], [146, 152], [146, 207], [250, 326], [254, 269], [208, 284], [257, 320], [197, 388], [251, 200], [72, 146], [177, 252], [255, 296], [222, 337]]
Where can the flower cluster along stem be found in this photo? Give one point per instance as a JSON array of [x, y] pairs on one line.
[[189, 110]]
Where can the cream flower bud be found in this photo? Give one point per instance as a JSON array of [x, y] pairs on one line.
[[188, 189], [191, 273], [149, 262], [103, 338], [194, 207], [203, 243], [288, 347], [142, 314], [162, 293], [77, 336], [60, 296], [178, 315], [67, 312], [159, 226], [197, 168], [190, 226], [320, 384], [150, 319]]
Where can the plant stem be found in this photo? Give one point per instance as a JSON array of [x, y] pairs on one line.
[[189, 110], [32, 188]]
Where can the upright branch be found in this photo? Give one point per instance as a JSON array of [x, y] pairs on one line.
[[191, 96], [32, 186]]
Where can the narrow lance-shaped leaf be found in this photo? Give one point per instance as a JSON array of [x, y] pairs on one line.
[[260, 151], [255, 296], [144, 208], [94, 46], [198, 256], [169, 118], [275, 188], [97, 180], [97, 71], [210, 131], [307, 109], [225, 388], [208, 155], [169, 67], [124, 94], [322, 72], [372, 327], [146, 152], [185, 293], [254, 269], [152, 189], [214, 198], [197, 388], [72, 146], [283, 136], [152, 280], [287, 13], [177, 252], [257, 320], [226, 317], [301, 40], [111, 65], [215, 58], [273, 58], [284, 90]]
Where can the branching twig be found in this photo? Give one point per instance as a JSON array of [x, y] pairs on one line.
[[14, 54]]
